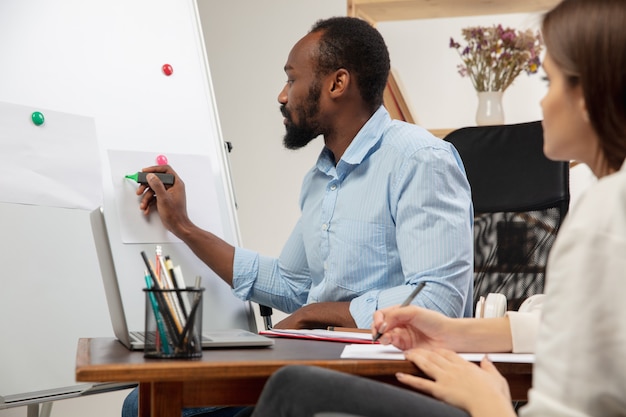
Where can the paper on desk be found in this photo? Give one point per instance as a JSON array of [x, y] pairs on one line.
[[372, 352], [377, 351]]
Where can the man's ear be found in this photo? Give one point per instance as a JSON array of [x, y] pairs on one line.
[[339, 82]]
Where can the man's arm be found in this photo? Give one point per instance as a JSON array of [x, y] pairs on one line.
[[319, 316], [171, 205]]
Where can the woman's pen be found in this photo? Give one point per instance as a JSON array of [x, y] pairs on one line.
[[406, 302]]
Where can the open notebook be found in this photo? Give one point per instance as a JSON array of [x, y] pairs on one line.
[[134, 340]]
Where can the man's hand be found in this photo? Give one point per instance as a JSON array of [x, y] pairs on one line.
[[170, 202], [171, 205]]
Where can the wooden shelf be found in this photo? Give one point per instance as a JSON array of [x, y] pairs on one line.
[[389, 10], [441, 133]]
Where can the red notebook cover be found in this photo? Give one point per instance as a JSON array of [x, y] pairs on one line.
[[319, 334]]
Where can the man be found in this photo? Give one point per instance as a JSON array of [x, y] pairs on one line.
[[387, 205]]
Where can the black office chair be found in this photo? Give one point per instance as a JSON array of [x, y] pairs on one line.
[[520, 199]]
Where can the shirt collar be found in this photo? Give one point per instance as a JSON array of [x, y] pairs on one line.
[[361, 145]]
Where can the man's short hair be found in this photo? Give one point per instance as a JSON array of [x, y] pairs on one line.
[[356, 46]]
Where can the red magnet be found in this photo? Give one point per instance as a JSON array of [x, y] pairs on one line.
[[167, 69], [161, 160]]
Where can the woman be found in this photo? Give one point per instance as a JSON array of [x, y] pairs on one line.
[[579, 367]]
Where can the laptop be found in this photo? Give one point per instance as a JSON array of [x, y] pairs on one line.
[[134, 340]]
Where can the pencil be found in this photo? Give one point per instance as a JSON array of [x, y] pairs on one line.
[[347, 329], [406, 302]]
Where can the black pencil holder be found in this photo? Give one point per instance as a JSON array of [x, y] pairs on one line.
[[173, 323]]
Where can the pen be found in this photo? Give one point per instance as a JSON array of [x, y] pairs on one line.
[[161, 335], [192, 315], [347, 329], [155, 280], [170, 320], [184, 303], [406, 302], [188, 329]]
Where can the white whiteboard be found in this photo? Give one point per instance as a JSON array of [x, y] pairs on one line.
[[102, 60], [51, 294]]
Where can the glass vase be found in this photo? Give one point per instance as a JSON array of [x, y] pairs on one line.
[[489, 111]]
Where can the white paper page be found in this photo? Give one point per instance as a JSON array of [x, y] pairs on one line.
[[373, 351], [376, 351], [56, 164], [195, 171]]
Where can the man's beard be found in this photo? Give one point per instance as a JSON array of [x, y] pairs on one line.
[[298, 136]]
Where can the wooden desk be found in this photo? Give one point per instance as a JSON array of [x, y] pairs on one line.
[[235, 376]]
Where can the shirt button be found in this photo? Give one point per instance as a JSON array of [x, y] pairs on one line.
[[324, 227], [333, 187]]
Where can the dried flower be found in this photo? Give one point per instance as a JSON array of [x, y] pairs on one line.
[[495, 56]]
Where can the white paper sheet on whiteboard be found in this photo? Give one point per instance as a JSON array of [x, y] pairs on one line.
[[196, 172], [56, 164]]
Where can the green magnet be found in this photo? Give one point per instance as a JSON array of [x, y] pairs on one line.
[[37, 118]]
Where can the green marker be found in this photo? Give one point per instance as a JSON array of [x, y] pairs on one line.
[[140, 177]]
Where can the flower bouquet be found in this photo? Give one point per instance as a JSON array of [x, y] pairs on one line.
[[494, 56], [492, 59]]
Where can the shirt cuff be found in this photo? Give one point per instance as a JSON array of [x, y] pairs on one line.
[[524, 329], [245, 271], [362, 309]]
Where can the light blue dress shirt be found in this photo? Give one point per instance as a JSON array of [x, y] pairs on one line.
[[395, 211]]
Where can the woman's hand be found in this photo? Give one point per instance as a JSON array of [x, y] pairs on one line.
[[411, 326], [479, 390], [415, 327]]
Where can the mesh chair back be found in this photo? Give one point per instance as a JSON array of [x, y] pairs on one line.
[[520, 199]]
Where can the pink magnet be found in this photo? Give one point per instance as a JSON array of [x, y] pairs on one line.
[[167, 69], [161, 160]]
